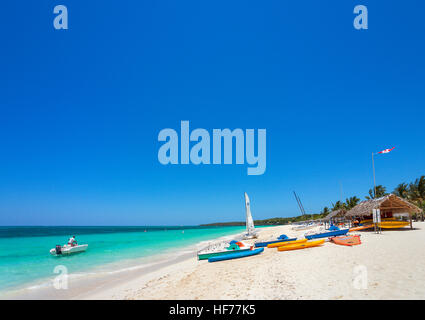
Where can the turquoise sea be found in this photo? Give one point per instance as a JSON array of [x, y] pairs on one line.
[[25, 259]]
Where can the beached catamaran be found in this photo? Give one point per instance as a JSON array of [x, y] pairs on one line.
[[251, 233], [221, 249], [234, 246]]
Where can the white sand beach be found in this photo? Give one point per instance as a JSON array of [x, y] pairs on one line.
[[384, 266]]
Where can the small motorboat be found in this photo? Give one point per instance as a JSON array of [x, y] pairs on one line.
[[236, 255], [67, 249]]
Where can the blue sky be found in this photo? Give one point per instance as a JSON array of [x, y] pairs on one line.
[[81, 109]]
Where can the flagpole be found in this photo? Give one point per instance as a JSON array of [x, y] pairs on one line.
[[374, 182]]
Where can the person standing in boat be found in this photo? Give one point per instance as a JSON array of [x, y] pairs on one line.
[[72, 241]]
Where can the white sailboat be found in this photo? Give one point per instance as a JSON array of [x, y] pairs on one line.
[[250, 229]]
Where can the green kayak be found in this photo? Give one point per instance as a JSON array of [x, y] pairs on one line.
[[205, 256]]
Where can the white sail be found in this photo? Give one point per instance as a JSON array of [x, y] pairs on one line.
[[250, 229]]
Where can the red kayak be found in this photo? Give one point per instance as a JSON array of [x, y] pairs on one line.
[[347, 240]]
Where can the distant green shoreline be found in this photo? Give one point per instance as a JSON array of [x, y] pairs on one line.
[[268, 222]]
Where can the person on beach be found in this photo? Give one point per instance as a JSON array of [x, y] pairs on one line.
[[72, 241]]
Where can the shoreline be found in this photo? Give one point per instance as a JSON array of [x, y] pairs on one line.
[[329, 272], [323, 273], [104, 277]]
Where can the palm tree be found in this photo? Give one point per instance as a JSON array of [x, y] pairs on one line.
[[351, 202], [402, 190], [417, 192], [338, 205], [420, 188], [380, 192], [325, 212]]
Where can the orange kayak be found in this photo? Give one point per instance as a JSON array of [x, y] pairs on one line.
[[347, 240], [281, 244], [304, 245], [361, 228]]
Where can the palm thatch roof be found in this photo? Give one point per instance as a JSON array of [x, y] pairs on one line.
[[335, 214], [386, 203]]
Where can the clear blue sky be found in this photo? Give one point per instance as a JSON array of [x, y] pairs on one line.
[[80, 109]]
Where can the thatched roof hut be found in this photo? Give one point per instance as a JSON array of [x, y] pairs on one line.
[[389, 205], [339, 213]]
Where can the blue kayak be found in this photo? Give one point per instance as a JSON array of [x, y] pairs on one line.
[[264, 244], [327, 234], [236, 255]]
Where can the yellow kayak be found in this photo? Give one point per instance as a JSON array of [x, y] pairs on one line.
[[393, 224], [371, 221], [390, 223], [302, 245], [281, 244]]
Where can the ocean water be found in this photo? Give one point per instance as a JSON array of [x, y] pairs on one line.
[[25, 260]]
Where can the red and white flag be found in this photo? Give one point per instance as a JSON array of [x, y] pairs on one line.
[[386, 150]]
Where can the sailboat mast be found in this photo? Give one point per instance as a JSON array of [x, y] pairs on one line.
[[299, 204]]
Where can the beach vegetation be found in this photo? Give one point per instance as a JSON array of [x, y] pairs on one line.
[[325, 211], [413, 192], [380, 192], [351, 202]]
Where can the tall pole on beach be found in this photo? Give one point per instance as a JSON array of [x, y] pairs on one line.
[[373, 166], [374, 182]]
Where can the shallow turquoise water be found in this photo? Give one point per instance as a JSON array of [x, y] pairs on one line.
[[25, 257]]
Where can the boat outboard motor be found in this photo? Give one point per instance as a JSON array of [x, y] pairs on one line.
[[58, 249]]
